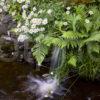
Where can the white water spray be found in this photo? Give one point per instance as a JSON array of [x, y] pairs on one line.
[[43, 87]]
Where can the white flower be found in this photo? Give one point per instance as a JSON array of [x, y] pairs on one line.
[[68, 8], [65, 23], [68, 12], [27, 22], [22, 38], [24, 7], [30, 15], [14, 1], [42, 29], [91, 12], [49, 11], [41, 11], [36, 30], [51, 73], [5, 8], [27, 2], [0, 10], [45, 21], [24, 14], [46, 96], [35, 14], [2, 4], [33, 26], [3, 0], [87, 21], [24, 29], [36, 21], [20, 1], [34, 9], [13, 13], [19, 24], [31, 31]]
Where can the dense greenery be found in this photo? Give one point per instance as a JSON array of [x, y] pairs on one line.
[[75, 30]]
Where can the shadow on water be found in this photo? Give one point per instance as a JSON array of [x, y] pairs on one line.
[[11, 83]]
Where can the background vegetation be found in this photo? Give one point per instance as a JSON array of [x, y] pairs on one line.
[[72, 26]]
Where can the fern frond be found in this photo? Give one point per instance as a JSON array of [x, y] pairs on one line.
[[73, 19], [39, 51], [50, 40], [94, 37], [73, 60], [72, 35]]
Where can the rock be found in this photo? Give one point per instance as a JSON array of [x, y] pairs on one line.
[[6, 24]]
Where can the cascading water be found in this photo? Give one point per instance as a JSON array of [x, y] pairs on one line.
[[49, 84], [55, 57]]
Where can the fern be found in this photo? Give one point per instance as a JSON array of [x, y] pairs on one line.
[[73, 19], [57, 41], [73, 60], [94, 37], [72, 35], [39, 51]]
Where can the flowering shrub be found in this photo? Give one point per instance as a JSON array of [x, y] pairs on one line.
[[34, 23], [3, 6]]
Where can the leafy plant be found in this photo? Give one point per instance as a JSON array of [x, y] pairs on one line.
[[75, 30], [39, 52]]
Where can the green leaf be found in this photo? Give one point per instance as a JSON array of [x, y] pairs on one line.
[[88, 26], [94, 47], [56, 41], [39, 51], [94, 37], [71, 35], [73, 19], [73, 60]]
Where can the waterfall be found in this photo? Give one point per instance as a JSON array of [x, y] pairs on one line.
[[55, 57], [58, 57]]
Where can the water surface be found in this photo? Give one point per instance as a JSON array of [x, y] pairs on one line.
[[13, 74]]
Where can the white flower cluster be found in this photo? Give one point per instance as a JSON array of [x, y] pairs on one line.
[[22, 38], [3, 6], [32, 25], [91, 12], [87, 21], [31, 19], [22, 1], [68, 10]]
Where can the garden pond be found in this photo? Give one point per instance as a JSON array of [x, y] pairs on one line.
[[13, 75]]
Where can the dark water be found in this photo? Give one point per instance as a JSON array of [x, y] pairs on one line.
[[13, 74]]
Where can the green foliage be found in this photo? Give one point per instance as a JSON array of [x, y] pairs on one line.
[[72, 29], [73, 60], [81, 31], [39, 51]]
